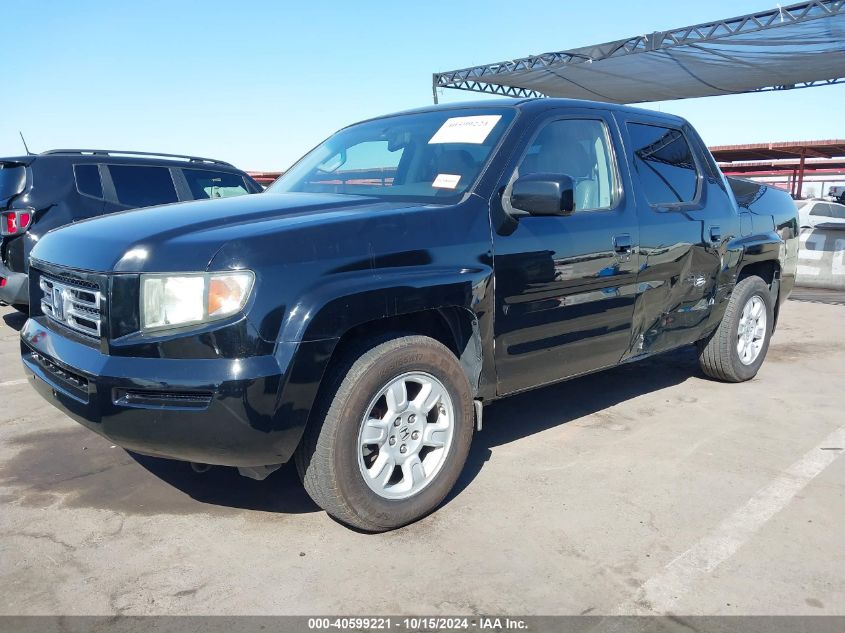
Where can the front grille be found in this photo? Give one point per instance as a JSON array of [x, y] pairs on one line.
[[75, 304]]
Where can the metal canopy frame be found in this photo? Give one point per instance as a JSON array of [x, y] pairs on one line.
[[484, 78], [830, 154]]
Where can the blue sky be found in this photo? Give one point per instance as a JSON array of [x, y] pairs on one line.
[[259, 83]]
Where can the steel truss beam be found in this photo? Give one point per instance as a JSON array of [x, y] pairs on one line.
[[482, 78]]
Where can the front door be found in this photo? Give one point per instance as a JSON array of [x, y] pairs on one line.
[[565, 285]]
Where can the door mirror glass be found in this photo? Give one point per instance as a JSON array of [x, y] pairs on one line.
[[544, 194]]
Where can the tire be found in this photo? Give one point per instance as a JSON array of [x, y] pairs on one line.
[[719, 354], [333, 460]]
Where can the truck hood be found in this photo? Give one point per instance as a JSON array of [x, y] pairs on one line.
[[186, 236]]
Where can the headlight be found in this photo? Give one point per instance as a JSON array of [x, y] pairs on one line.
[[177, 300]]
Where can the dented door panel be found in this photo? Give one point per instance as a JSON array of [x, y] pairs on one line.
[[686, 248]]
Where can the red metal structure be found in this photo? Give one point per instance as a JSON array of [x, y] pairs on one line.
[[264, 178], [782, 164], [790, 161]]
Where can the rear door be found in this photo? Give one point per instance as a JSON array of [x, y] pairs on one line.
[[687, 219], [566, 286]]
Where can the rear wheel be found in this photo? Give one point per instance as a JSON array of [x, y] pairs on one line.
[[736, 350], [390, 435]]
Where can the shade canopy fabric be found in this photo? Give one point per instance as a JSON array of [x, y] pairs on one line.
[[790, 47]]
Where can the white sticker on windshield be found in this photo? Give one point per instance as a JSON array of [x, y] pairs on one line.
[[446, 181], [466, 129]]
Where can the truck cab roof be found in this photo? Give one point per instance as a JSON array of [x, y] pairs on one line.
[[537, 104]]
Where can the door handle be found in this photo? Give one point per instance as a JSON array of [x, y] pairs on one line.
[[623, 247], [622, 243], [715, 234]]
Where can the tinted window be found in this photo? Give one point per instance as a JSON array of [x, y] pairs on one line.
[[12, 179], [142, 186], [88, 180], [837, 211], [820, 208], [214, 184], [664, 163], [581, 150]]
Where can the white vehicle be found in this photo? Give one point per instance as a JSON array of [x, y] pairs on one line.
[[814, 212], [837, 193]]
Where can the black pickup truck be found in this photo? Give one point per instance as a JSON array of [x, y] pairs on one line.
[[357, 315]]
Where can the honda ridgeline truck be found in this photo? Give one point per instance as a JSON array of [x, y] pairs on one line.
[[357, 315]]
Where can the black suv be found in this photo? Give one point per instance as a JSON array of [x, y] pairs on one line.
[[42, 192]]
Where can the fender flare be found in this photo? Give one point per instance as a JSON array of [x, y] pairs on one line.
[[332, 308]]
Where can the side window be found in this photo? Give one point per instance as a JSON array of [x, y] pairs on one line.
[[142, 186], [88, 180], [664, 163], [214, 184], [580, 149], [820, 208]]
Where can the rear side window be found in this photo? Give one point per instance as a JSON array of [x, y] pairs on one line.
[[142, 186], [88, 180], [12, 179], [821, 208], [664, 163], [214, 184]]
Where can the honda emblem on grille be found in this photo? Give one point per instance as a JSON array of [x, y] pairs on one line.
[[74, 306], [58, 303]]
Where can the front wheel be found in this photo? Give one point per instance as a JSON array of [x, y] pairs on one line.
[[391, 433], [736, 350]]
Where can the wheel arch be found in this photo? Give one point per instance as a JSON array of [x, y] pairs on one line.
[[769, 270], [456, 327], [451, 306]]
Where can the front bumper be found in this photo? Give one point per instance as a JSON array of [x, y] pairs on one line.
[[15, 290], [234, 412]]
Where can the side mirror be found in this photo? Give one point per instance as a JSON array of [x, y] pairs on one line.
[[544, 194]]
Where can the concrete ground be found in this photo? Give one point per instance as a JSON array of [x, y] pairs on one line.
[[645, 489]]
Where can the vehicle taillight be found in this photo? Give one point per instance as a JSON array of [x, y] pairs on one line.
[[11, 223], [15, 222]]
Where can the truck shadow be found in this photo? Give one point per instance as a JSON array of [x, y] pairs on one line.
[[15, 319], [525, 414], [506, 421], [74, 466], [224, 487]]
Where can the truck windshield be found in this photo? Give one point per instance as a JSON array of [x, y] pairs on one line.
[[12, 179], [433, 157]]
